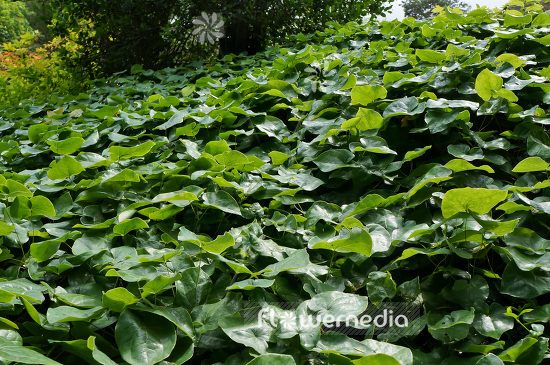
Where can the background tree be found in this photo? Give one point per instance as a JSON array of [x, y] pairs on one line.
[[38, 17], [421, 9], [114, 35]]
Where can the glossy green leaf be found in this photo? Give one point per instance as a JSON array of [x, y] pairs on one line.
[[511, 59], [435, 175], [11, 352], [37, 132], [512, 353], [380, 286], [223, 201], [14, 189], [179, 198], [193, 288], [524, 284], [494, 322], [71, 314], [44, 250], [153, 338], [526, 239], [232, 159], [216, 147], [249, 334], [334, 159], [511, 207], [451, 327], [125, 175], [490, 359], [404, 106], [296, 260], [411, 155], [151, 214], [369, 202]]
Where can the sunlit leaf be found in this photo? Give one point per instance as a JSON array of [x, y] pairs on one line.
[[468, 200]]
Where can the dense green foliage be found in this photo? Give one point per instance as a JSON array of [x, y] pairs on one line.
[[394, 162], [13, 20], [422, 9], [158, 33]]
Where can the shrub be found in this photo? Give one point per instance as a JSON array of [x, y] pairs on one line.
[[28, 71]]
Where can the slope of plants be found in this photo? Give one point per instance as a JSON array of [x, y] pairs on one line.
[[401, 162]]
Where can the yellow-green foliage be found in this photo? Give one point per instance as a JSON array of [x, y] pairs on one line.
[[28, 71]]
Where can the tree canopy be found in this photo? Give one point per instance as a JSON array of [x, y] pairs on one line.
[[157, 33]]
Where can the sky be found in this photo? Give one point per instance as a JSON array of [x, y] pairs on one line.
[[397, 11]]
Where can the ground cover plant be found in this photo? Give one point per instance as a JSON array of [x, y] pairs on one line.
[[400, 162]]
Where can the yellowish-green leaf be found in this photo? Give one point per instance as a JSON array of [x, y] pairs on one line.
[[428, 55], [487, 84], [64, 168], [458, 165], [366, 94], [471, 200], [511, 59], [366, 119], [278, 158], [66, 146], [531, 164]]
